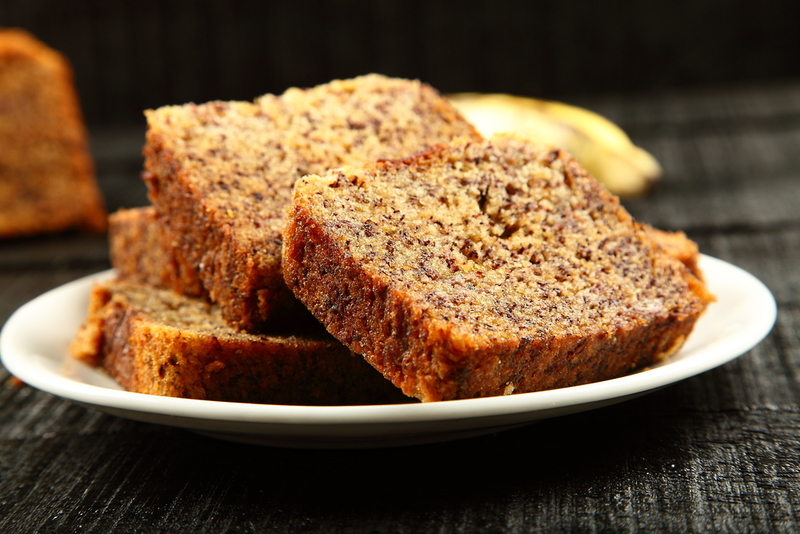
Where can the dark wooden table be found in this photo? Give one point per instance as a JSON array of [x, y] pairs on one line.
[[719, 452]]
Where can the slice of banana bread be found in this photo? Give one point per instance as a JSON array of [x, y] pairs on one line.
[[158, 342], [141, 252], [485, 268], [221, 174], [47, 181]]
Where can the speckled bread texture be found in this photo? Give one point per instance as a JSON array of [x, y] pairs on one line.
[[222, 174], [47, 181], [158, 342], [485, 268], [141, 252]]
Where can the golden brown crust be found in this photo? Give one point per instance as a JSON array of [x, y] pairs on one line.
[[680, 246], [157, 342], [47, 181], [223, 172], [479, 269]]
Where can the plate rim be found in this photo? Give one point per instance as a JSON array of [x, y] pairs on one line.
[[349, 416]]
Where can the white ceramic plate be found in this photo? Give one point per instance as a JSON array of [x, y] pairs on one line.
[[34, 343]]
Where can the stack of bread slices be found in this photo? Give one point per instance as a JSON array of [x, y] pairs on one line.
[[359, 242]]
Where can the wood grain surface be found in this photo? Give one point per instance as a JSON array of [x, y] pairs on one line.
[[719, 452]]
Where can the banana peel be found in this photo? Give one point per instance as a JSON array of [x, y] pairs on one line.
[[597, 143]]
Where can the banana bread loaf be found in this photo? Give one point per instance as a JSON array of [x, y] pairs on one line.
[[47, 181], [161, 343], [221, 173], [485, 268]]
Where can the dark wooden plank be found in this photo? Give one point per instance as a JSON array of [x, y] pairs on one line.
[[53, 252], [18, 288], [771, 256], [743, 105], [656, 463]]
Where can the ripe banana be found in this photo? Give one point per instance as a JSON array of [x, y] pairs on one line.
[[597, 143]]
